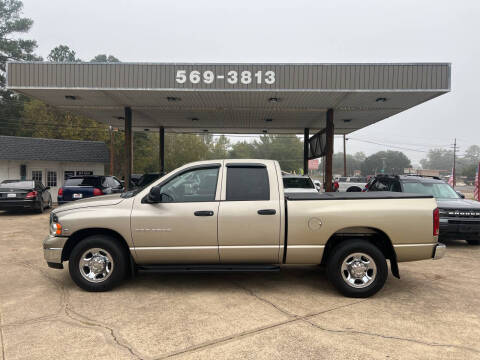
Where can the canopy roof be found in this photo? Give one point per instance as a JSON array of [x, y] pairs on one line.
[[232, 98]]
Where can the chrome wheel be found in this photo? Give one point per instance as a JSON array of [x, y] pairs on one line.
[[96, 265], [358, 270]]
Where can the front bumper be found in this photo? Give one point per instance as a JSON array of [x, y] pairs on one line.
[[459, 229], [52, 251], [439, 251]]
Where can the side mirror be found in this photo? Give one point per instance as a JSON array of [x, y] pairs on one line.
[[155, 195], [47, 188], [460, 194]]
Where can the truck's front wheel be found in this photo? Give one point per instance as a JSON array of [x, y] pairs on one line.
[[97, 263], [357, 268]]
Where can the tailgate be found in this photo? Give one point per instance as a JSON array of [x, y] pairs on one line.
[[77, 192]]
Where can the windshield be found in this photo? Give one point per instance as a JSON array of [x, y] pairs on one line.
[[438, 190], [16, 184], [298, 183], [86, 181]]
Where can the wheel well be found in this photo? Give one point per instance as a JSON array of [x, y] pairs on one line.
[[375, 236], [79, 235]]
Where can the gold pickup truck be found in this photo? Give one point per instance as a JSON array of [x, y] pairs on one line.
[[232, 215]]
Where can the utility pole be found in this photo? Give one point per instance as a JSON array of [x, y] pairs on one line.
[[454, 162], [344, 155], [111, 149]]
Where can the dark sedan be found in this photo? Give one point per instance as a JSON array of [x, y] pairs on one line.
[[24, 194], [81, 187]]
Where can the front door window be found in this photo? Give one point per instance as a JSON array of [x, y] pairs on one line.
[[193, 186]]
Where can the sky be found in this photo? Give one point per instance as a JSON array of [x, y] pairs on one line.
[[293, 31]]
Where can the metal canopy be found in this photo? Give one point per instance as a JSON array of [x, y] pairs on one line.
[[232, 98]]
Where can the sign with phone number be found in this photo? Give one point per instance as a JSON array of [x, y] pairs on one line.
[[231, 77]]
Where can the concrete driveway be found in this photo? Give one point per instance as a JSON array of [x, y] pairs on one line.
[[432, 312]]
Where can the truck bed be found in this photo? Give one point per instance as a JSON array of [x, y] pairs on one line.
[[354, 196]]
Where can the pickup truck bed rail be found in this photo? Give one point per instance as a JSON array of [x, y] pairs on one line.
[[354, 196]]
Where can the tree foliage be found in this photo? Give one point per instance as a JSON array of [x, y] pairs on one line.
[[388, 162], [103, 58], [12, 47], [62, 53]]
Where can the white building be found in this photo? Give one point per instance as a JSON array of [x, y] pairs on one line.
[[50, 161]]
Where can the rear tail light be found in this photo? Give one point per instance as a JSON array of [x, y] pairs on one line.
[[97, 191], [436, 222], [31, 195], [60, 192]]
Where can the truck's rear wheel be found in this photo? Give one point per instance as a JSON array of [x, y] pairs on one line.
[[97, 263], [357, 268], [473, 242]]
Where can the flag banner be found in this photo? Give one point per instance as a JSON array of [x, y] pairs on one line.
[[476, 191], [450, 179]]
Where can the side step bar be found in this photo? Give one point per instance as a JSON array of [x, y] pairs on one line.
[[206, 268]]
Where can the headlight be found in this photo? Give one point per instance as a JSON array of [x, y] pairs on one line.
[[55, 226]]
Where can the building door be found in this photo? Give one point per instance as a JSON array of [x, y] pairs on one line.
[[52, 182]]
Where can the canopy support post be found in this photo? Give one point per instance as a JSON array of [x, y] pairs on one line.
[[128, 147], [161, 146], [329, 152], [306, 136]]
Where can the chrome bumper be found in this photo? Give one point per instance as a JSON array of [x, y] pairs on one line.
[[52, 250], [439, 251]]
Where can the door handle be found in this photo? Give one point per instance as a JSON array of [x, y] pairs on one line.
[[267, 212], [203, 213]]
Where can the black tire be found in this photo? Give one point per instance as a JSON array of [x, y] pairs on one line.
[[111, 247], [473, 242], [354, 189], [341, 253], [40, 207]]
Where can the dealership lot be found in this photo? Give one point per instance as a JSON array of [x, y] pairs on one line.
[[432, 312]]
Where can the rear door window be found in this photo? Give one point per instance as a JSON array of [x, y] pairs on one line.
[[87, 181], [247, 183]]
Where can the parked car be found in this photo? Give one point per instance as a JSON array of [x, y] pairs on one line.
[[298, 184], [351, 184], [459, 217], [241, 221], [81, 187], [146, 179], [24, 194]]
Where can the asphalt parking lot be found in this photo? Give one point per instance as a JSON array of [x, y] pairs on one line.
[[432, 312]]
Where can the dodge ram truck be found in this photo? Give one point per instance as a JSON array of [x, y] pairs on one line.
[[233, 215]]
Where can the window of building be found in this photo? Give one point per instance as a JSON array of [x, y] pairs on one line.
[[247, 183], [37, 175], [51, 178]]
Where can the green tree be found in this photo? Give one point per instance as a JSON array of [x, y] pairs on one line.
[[354, 162], [242, 150], [62, 53], [389, 162], [472, 154], [105, 58], [438, 159], [12, 47], [218, 148], [183, 148]]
